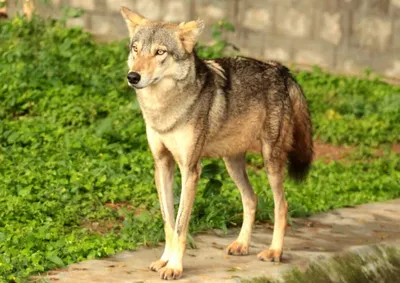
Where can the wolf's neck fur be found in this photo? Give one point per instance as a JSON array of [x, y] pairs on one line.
[[167, 103]]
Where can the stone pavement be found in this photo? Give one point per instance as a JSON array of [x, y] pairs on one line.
[[307, 239]]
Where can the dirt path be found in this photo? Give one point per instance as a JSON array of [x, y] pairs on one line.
[[307, 239]]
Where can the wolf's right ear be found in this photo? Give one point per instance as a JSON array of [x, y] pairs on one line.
[[189, 33], [132, 20]]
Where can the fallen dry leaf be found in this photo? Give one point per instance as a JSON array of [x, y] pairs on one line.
[[234, 268]]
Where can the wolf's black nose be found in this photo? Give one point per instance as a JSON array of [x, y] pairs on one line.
[[133, 77]]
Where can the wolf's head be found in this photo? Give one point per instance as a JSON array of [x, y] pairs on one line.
[[159, 50]]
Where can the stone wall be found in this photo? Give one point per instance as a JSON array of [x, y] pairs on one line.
[[343, 35]]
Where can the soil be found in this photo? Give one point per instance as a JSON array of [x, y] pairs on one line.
[[330, 152]]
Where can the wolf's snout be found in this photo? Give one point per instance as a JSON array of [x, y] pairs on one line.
[[133, 77]]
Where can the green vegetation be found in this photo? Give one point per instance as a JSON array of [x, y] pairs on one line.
[[378, 264], [72, 140], [352, 111]]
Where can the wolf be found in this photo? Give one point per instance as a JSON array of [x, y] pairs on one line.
[[220, 108]]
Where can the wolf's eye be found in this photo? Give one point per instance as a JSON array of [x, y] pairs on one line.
[[160, 52], [134, 48]]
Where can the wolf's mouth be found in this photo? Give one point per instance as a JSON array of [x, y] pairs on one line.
[[153, 81], [135, 86]]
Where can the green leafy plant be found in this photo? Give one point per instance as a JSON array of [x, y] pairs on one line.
[[220, 46]]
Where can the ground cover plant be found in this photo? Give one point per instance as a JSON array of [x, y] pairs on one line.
[[76, 175], [374, 264]]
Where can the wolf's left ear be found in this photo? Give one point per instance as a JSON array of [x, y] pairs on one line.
[[189, 33], [132, 20]]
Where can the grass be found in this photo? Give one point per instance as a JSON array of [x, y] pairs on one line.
[[348, 110], [376, 264], [72, 143]]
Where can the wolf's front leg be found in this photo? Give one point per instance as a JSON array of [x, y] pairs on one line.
[[190, 176], [164, 177]]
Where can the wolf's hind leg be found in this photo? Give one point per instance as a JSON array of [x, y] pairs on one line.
[[236, 167], [275, 161]]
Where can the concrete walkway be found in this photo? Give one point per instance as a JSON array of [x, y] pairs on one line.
[[307, 239]]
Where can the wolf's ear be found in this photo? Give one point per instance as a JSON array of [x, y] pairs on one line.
[[132, 20], [189, 33]]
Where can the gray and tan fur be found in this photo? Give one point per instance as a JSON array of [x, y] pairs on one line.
[[215, 108]]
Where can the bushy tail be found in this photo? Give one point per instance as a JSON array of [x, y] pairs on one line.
[[301, 156]]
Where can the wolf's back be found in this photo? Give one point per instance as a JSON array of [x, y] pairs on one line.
[[301, 156]]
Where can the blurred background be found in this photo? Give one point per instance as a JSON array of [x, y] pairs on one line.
[[347, 36]]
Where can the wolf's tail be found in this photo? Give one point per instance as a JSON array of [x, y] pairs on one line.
[[301, 156]]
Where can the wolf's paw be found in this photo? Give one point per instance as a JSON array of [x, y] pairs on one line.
[[157, 265], [270, 255], [237, 248], [169, 273]]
